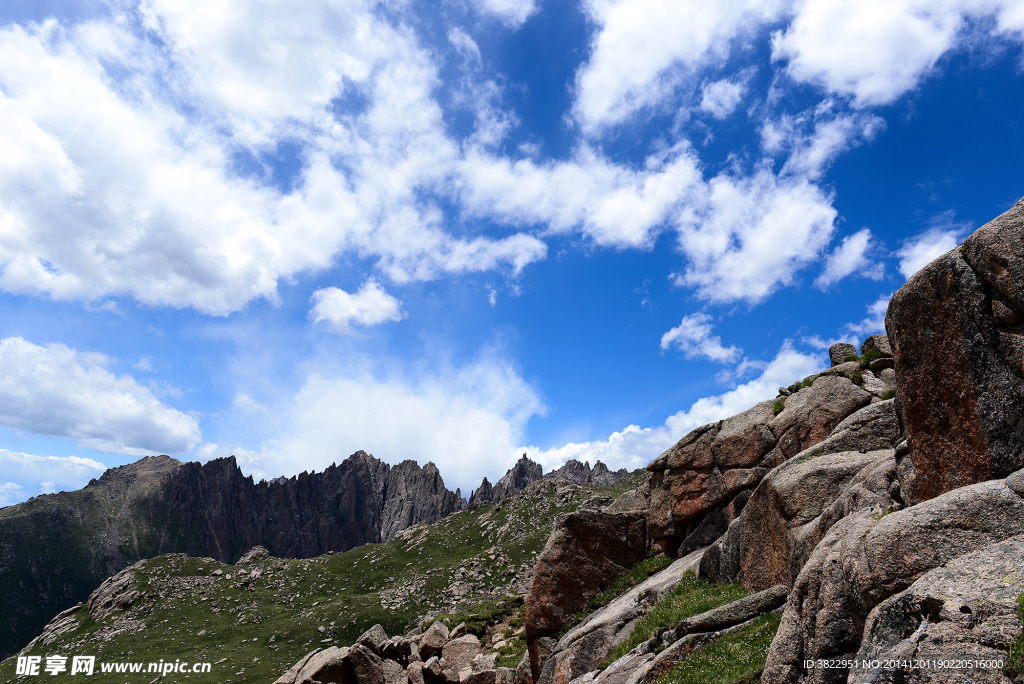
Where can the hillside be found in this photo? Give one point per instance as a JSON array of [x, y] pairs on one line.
[[274, 610], [55, 549]]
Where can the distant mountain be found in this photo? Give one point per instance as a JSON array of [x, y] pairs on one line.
[[526, 471], [56, 548]]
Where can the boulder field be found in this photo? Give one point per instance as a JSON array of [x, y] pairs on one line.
[[877, 508]]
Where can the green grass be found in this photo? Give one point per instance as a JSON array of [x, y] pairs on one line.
[[869, 356], [857, 378], [692, 596], [735, 658], [888, 394], [1015, 659], [263, 629], [850, 357], [777, 406], [481, 616]]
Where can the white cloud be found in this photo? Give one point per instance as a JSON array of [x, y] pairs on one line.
[[26, 472], [466, 420], [874, 322], [693, 337], [876, 50], [635, 447], [746, 236], [612, 204], [47, 487], [10, 493], [720, 99], [851, 257], [787, 366], [643, 50], [922, 249], [59, 392], [464, 43], [631, 448], [812, 154], [370, 305], [511, 12]]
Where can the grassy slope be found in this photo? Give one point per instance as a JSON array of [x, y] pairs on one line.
[[257, 632]]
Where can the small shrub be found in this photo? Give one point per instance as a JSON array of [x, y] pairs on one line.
[[857, 379], [808, 381], [888, 394], [851, 357], [777, 406], [869, 356]]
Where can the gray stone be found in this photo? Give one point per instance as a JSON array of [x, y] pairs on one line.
[[878, 343], [865, 559], [839, 351], [515, 480], [289, 676], [457, 655], [433, 640], [374, 639], [964, 610], [780, 526]]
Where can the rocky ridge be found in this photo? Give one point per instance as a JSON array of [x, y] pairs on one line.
[[55, 549]]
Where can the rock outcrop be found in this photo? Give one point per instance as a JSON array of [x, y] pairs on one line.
[[526, 472], [586, 551], [700, 484], [957, 334], [55, 549], [865, 559], [518, 477], [581, 473]]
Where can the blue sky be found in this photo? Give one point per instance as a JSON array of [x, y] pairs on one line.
[[462, 230]]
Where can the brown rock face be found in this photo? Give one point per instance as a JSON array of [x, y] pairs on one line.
[[587, 550], [957, 333], [694, 484]]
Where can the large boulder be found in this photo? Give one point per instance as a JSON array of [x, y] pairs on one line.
[[839, 351], [457, 655], [790, 512], [586, 551], [595, 637], [705, 470], [957, 334], [864, 559], [810, 415], [965, 610]]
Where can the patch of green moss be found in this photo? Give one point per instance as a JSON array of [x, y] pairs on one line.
[[777, 406], [857, 379], [735, 658], [692, 596], [850, 357], [888, 394]]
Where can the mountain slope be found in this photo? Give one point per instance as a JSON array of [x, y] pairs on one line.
[[55, 549]]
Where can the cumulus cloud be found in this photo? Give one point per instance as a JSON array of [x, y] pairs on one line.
[[851, 257], [922, 249], [29, 474], [643, 50], [370, 305], [11, 493], [510, 12], [635, 447], [466, 420], [59, 392], [876, 50], [720, 98], [746, 236], [788, 364], [874, 322], [693, 337]]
